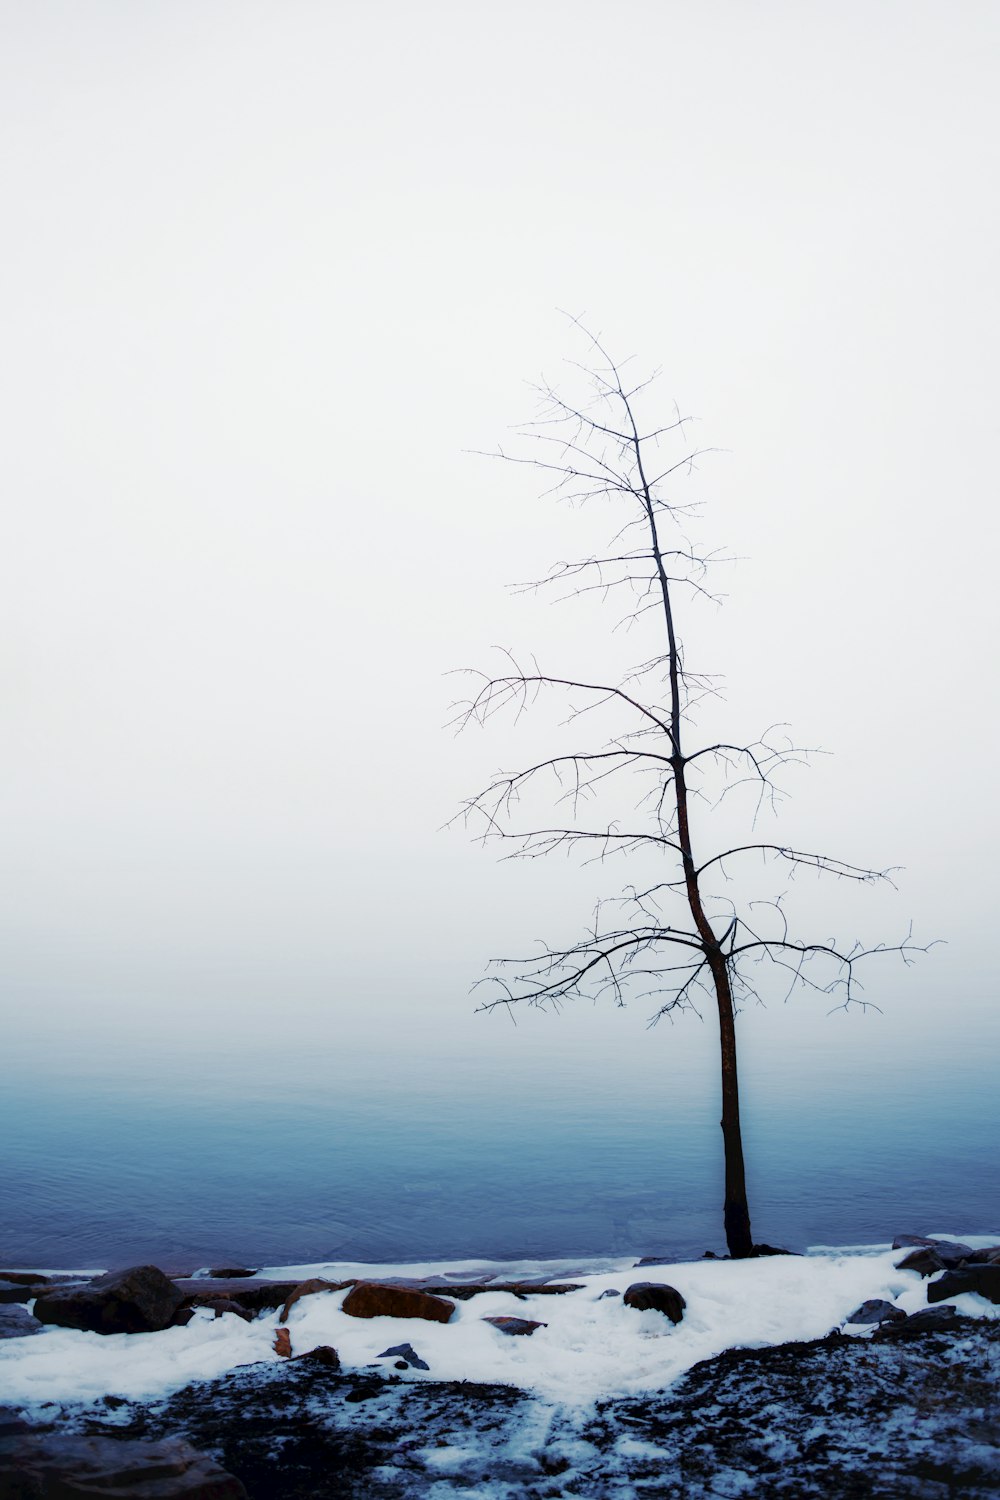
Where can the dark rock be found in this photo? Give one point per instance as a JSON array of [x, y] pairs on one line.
[[17, 1322], [228, 1273], [982, 1279], [990, 1256], [610, 1291], [46, 1466], [253, 1294], [515, 1327], [12, 1421], [943, 1319], [656, 1260], [462, 1292], [220, 1305], [19, 1291], [950, 1251], [364, 1392], [926, 1261], [876, 1310], [139, 1300], [25, 1278], [407, 1354], [654, 1296], [759, 1251], [324, 1354], [369, 1299]]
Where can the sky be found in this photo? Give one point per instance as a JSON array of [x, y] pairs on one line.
[[274, 276]]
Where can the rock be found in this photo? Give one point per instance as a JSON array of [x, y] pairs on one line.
[[656, 1260], [25, 1278], [876, 1310], [515, 1326], [926, 1261], [758, 1251], [229, 1273], [253, 1293], [324, 1354], [407, 1354], [990, 1256], [220, 1305], [282, 1343], [19, 1291], [611, 1291], [369, 1299], [307, 1288], [943, 1319], [655, 1296], [17, 1322], [45, 1466], [139, 1300], [951, 1251], [982, 1279]]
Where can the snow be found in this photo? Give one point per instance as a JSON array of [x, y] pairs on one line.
[[593, 1346]]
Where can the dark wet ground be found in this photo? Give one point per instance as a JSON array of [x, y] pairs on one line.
[[834, 1418]]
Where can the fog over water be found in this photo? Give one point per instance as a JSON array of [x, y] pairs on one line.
[[272, 275]]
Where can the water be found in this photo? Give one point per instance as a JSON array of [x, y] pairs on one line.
[[273, 1139]]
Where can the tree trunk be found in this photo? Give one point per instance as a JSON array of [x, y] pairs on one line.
[[737, 1211]]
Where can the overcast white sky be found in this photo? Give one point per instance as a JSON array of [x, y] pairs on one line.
[[272, 269]]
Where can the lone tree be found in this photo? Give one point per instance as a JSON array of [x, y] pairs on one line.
[[680, 937]]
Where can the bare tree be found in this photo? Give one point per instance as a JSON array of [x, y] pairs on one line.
[[679, 937]]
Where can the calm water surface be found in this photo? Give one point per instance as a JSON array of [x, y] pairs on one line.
[[579, 1135]]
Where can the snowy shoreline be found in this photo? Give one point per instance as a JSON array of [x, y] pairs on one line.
[[590, 1345]]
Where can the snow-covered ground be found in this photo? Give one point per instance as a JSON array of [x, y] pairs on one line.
[[592, 1347]]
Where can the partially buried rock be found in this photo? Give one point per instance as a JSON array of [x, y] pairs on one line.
[[942, 1319], [139, 1300], [515, 1326], [925, 1261], [609, 1291], [370, 1299], [953, 1249], [282, 1343], [17, 1322], [655, 1296], [876, 1310], [981, 1279], [307, 1289], [226, 1273], [323, 1354], [407, 1354], [935, 1255], [42, 1466]]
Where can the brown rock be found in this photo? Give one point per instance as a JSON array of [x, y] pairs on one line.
[[139, 1300], [514, 1326], [654, 1296], [43, 1466], [369, 1299], [307, 1288], [282, 1343]]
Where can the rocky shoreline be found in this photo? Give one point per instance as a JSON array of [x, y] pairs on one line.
[[889, 1404]]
